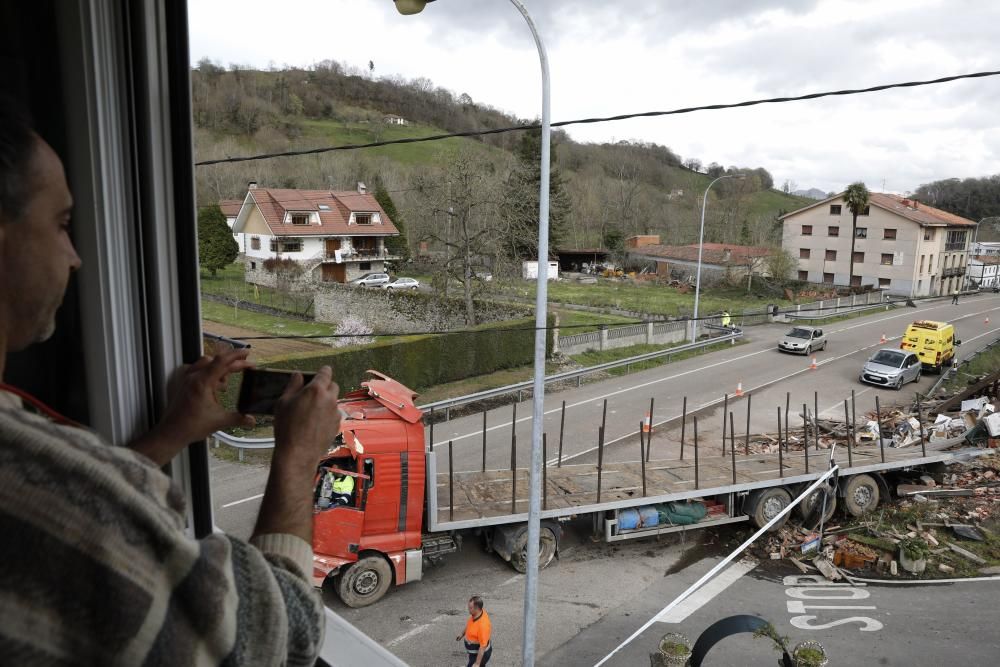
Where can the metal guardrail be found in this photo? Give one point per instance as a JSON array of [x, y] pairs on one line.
[[836, 312], [449, 403], [954, 368]]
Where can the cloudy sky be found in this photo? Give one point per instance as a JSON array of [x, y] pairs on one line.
[[618, 56]]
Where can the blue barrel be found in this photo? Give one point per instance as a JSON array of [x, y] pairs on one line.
[[628, 519], [648, 516]]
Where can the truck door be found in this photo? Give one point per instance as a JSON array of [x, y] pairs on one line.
[[337, 530]]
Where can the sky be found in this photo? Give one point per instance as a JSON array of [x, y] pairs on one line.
[[620, 56]]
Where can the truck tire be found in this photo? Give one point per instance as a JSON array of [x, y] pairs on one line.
[[546, 549], [861, 494], [808, 503], [364, 582], [766, 504]]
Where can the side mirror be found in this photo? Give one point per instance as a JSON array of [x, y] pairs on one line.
[[958, 342]]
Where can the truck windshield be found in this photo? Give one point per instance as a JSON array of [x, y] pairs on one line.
[[800, 333], [889, 358]]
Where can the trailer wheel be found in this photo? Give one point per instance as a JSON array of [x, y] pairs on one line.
[[364, 582], [546, 549], [861, 494], [808, 503], [767, 504]]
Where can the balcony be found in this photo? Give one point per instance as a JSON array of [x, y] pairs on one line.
[[950, 247], [954, 271], [362, 255]]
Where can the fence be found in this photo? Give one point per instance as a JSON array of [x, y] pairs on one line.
[[833, 307], [647, 333]]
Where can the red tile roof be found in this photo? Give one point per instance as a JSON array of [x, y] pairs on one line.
[[273, 203], [918, 212], [231, 207], [713, 253]]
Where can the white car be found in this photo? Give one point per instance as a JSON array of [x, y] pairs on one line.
[[403, 283], [371, 280]]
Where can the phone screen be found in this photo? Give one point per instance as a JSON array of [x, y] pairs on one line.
[[262, 387]]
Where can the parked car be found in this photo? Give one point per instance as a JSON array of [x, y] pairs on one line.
[[371, 280], [890, 367], [803, 340], [403, 283]]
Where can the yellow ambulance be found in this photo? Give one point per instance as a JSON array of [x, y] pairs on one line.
[[933, 342]]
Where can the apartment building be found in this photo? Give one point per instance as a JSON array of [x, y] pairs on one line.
[[900, 245]]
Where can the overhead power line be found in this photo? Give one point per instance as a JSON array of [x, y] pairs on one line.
[[603, 119]]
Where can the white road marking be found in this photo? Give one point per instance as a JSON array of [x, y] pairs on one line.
[[707, 593], [245, 500], [415, 631]]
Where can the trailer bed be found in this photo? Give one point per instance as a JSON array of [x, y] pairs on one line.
[[488, 498]]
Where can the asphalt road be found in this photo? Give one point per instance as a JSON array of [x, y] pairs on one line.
[[765, 374]]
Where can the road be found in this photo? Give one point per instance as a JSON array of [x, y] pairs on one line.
[[765, 374]]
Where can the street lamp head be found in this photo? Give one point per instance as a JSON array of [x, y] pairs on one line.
[[408, 7]]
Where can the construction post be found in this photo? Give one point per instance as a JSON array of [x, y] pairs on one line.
[[545, 468], [562, 427], [788, 405], [604, 417], [781, 461], [725, 409], [749, 396], [513, 474], [600, 460], [732, 445], [649, 440], [484, 440], [815, 418], [920, 418], [696, 452], [850, 435], [805, 435], [451, 483], [878, 418], [642, 458], [684, 416]]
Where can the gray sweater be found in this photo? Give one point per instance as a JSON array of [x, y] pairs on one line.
[[96, 566]]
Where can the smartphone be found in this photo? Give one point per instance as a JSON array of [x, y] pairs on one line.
[[262, 387]]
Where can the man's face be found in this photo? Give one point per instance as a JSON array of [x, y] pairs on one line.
[[472, 609], [36, 254]]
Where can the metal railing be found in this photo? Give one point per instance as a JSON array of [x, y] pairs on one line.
[[447, 404]]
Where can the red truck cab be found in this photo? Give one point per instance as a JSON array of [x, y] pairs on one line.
[[374, 540]]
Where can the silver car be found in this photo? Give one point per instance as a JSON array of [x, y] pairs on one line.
[[891, 368], [803, 340], [371, 280], [403, 283]]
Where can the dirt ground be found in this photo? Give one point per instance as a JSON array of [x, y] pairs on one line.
[[261, 350]]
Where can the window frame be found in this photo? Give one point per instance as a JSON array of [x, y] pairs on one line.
[[807, 230], [836, 209], [860, 232], [833, 231], [805, 253], [886, 236], [830, 256], [882, 261], [369, 217], [830, 280], [300, 216]]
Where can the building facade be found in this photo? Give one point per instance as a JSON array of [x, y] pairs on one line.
[[331, 236], [984, 271], [900, 245]]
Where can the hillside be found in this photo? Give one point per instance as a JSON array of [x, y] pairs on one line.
[[623, 188]]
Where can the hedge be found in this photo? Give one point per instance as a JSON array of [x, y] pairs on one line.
[[421, 362]]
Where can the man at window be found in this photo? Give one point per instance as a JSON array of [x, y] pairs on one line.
[[95, 563]]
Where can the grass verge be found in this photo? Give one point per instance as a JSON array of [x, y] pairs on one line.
[[262, 322]]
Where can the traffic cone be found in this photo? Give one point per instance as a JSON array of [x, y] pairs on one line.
[[987, 320], [883, 340], [647, 423], [739, 388], [812, 366]]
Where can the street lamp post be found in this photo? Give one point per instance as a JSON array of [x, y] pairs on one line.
[[701, 247], [541, 323]]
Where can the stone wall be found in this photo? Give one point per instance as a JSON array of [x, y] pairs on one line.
[[389, 310]]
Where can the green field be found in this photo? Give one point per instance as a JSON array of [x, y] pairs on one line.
[[268, 324]]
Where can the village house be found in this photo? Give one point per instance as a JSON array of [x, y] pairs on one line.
[[901, 245], [718, 260], [231, 208], [984, 271], [333, 236]]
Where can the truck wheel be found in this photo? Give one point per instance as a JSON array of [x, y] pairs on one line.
[[861, 494], [364, 582], [546, 550], [767, 504], [807, 505]]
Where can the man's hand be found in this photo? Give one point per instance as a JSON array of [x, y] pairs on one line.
[[193, 411], [306, 422], [306, 418]]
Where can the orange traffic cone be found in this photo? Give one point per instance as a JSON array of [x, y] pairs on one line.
[[883, 340], [812, 366], [739, 388], [647, 423]]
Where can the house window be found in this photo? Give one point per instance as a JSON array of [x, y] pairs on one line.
[[860, 232], [920, 286], [928, 234], [859, 258], [955, 240], [922, 258], [888, 234], [253, 266], [831, 255], [365, 266], [803, 276], [866, 211], [363, 218], [887, 259], [834, 209], [300, 218], [255, 243], [930, 264], [291, 245], [828, 278], [833, 231], [803, 253], [856, 281], [883, 282], [807, 230], [274, 245]]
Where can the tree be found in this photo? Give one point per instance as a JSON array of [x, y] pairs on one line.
[[217, 248], [396, 245], [856, 197], [780, 264], [521, 205]]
